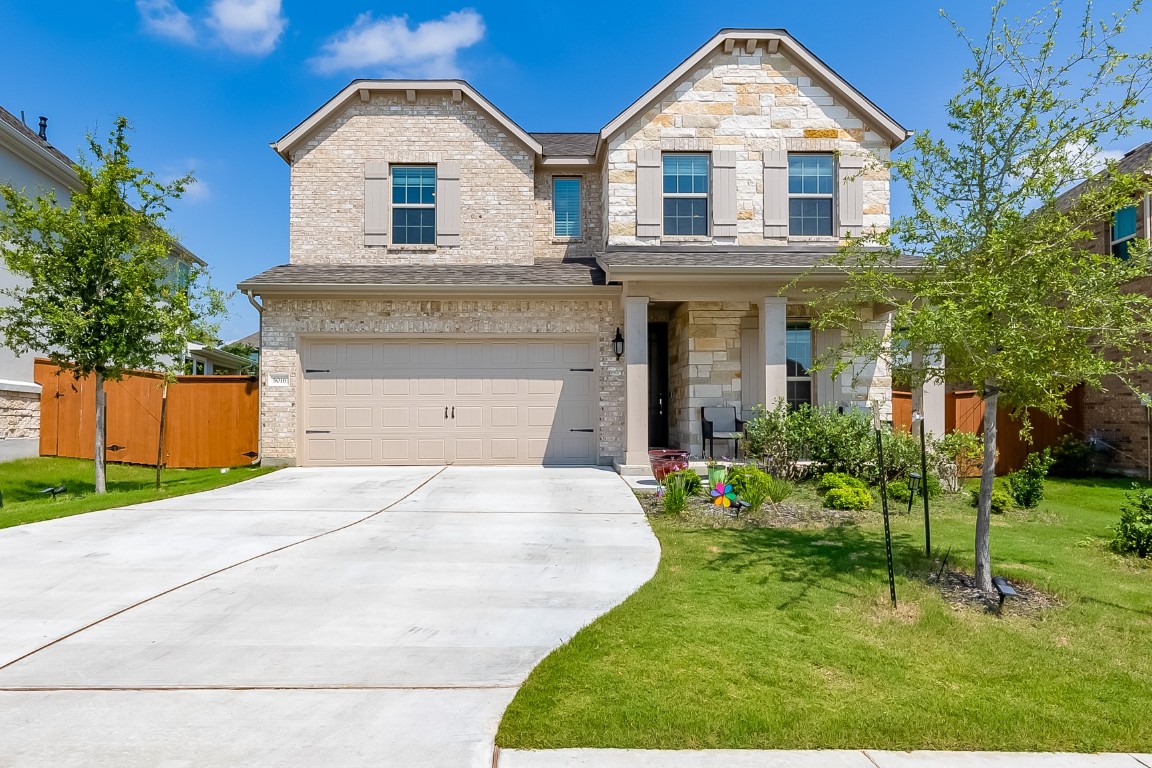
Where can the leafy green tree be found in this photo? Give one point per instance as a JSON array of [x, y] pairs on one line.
[[1004, 281], [104, 289]]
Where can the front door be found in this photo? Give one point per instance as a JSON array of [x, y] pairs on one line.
[[658, 385]]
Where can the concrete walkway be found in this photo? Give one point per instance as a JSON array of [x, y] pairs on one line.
[[726, 758], [312, 617]]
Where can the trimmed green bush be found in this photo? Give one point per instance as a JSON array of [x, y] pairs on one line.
[[830, 480], [898, 490], [1001, 500], [1027, 483], [691, 481], [1073, 457], [848, 498], [1134, 531]]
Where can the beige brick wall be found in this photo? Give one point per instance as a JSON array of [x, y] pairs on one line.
[[287, 321], [747, 104], [19, 414], [547, 246], [497, 206]]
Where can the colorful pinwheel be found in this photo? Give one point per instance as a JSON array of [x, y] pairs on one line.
[[723, 495]]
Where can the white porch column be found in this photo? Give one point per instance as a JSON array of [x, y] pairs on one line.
[[774, 348], [930, 398], [636, 380]]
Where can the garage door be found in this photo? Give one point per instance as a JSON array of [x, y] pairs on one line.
[[517, 401]]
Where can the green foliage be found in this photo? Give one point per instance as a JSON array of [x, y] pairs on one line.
[[1133, 534], [1073, 457], [958, 456], [755, 486], [770, 439], [848, 498], [1001, 500], [898, 490], [830, 480], [1027, 483], [778, 489], [675, 498], [688, 478]]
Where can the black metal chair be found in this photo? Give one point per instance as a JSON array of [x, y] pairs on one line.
[[719, 422]]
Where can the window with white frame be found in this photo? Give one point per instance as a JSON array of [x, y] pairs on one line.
[[566, 207], [1123, 231], [685, 194], [799, 351], [414, 204], [811, 190]]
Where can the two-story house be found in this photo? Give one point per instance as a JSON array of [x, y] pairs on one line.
[[463, 291]]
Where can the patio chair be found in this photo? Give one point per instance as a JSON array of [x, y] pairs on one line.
[[719, 422]]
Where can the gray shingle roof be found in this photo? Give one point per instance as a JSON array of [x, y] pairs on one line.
[[782, 257], [252, 340], [1138, 159], [33, 137], [568, 144], [574, 274]]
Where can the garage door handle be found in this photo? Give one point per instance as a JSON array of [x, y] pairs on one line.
[[581, 430], [317, 370], [445, 411], [317, 431], [453, 411], [582, 370]]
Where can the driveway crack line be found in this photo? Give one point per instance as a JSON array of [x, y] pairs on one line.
[[217, 572]]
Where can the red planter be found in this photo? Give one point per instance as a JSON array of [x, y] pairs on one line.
[[667, 460]]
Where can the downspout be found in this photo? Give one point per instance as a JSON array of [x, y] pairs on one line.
[[259, 376]]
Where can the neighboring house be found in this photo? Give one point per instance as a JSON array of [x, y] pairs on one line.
[[29, 162], [1114, 418], [203, 359], [462, 291]]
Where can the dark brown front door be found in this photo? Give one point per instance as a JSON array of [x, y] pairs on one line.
[[658, 385]]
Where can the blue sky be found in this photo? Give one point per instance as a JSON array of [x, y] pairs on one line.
[[207, 84]]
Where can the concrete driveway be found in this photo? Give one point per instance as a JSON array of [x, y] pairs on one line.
[[312, 617]]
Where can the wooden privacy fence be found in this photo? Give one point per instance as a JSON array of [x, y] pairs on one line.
[[964, 411], [212, 421]]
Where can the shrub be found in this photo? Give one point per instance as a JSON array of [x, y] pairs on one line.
[[848, 498], [771, 437], [1133, 534], [739, 476], [756, 486], [778, 489], [1001, 500], [1027, 483], [898, 490], [831, 480], [1073, 457], [675, 496], [956, 457], [691, 481]]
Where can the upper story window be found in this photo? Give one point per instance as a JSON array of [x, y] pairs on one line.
[[685, 194], [1123, 231], [566, 207], [811, 185], [799, 350], [414, 204]]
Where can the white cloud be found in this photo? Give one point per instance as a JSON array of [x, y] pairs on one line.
[[247, 26], [390, 47], [197, 192], [164, 18]]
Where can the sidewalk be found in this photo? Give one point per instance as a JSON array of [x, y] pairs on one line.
[[728, 758]]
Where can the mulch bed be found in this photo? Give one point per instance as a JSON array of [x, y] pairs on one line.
[[960, 590]]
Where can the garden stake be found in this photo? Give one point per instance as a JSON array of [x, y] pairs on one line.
[[924, 490], [884, 499]]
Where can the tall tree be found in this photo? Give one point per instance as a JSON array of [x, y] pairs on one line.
[[1004, 282], [105, 289]]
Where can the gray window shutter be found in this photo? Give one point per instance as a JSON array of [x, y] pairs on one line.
[[851, 205], [724, 193], [376, 196], [448, 203], [649, 194], [775, 193]]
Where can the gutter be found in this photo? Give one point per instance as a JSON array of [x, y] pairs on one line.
[[361, 289], [669, 272]]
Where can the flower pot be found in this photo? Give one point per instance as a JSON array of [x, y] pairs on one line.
[[664, 461]]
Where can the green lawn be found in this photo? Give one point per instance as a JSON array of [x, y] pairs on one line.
[[783, 638], [21, 481]]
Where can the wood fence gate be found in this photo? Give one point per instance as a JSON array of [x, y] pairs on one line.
[[212, 421]]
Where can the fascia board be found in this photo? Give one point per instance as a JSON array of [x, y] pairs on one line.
[[38, 157], [362, 289]]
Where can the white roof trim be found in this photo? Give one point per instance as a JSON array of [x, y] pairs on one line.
[[361, 90], [786, 44], [38, 157]]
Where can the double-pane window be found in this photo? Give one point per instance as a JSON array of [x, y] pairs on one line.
[[566, 207], [811, 185], [799, 350], [1123, 231], [685, 194], [414, 204]]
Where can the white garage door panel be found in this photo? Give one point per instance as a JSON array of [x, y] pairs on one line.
[[434, 402]]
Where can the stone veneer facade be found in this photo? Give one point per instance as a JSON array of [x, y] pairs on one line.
[[749, 104], [546, 245], [287, 322], [19, 415]]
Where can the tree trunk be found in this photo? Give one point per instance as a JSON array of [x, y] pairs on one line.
[[101, 433], [987, 477]]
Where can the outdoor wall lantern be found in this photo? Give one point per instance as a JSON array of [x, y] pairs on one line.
[[618, 345]]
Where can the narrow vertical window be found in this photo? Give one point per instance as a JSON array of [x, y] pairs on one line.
[[1123, 231], [414, 204], [566, 207], [811, 185], [799, 350], [685, 194]]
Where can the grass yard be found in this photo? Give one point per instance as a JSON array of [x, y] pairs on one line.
[[783, 638], [21, 482]]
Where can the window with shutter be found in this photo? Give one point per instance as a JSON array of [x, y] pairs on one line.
[[810, 195], [685, 194], [414, 204]]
